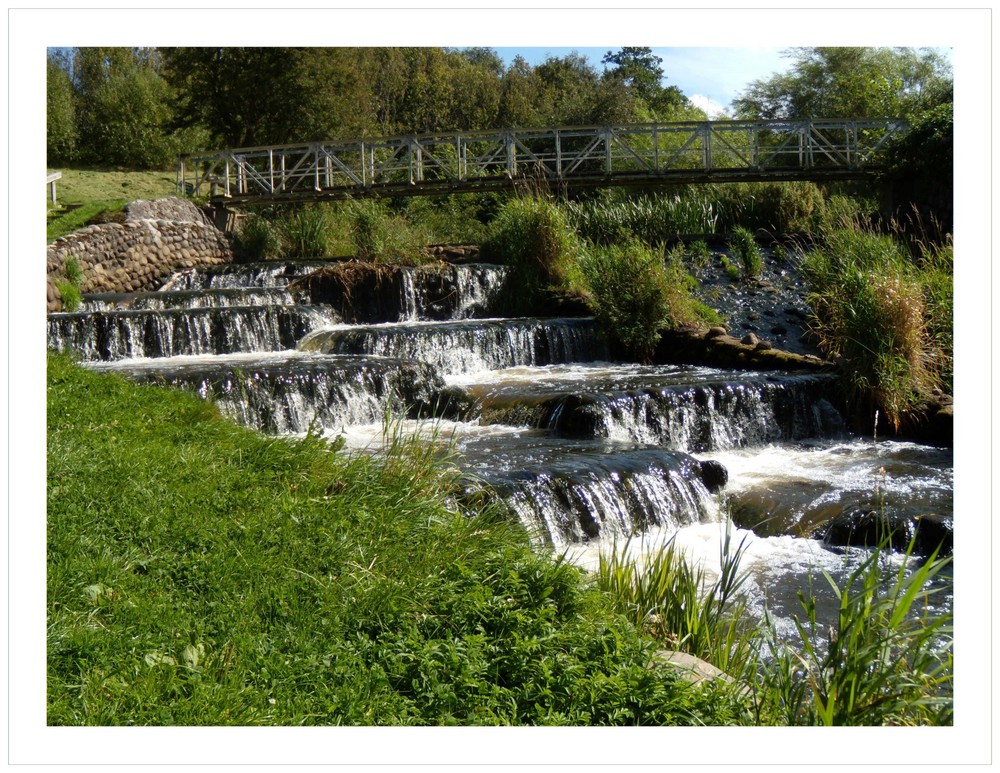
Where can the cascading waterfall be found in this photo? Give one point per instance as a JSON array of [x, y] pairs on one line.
[[469, 345], [241, 275], [609, 495], [679, 407], [115, 335], [189, 299], [707, 417], [291, 393], [582, 450]]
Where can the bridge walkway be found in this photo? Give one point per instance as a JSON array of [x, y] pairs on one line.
[[563, 157]]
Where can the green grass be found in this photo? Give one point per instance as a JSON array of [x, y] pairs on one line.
[[203, 574], [743, 246]]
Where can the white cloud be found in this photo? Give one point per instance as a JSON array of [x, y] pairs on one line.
[[712, 108]]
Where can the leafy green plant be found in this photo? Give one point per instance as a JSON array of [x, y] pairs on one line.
[[257, 239], [71, 289], [744, 246], [885, 662], [727, 265]]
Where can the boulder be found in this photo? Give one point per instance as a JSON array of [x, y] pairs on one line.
[[713, 474]]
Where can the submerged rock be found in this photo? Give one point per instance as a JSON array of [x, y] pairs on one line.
[[869, 528]]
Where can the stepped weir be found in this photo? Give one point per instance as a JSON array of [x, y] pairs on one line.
[[583, 451]]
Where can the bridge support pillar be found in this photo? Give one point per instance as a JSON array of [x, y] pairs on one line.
[[225, 219]]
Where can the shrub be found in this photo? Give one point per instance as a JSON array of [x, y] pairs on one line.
[[744, 246], [257, 239], [636, 295], [534, 236]]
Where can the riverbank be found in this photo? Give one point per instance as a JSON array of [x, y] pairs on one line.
[[200, 573]]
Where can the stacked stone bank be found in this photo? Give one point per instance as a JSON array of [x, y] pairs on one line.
[[157, 239]]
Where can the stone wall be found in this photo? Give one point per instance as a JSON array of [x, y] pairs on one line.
[[157, 239]]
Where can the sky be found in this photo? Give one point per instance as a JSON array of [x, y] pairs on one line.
[[710, 77]]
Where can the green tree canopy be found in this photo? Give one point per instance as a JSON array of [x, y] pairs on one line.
[[60, 114], [122, 107], [848, 82], [639, 70]]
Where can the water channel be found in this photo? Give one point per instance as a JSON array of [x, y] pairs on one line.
[[586, 452]]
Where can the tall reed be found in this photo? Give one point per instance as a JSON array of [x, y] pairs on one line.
[[652, 219], [664, 593], [887, 661], [870, 312], [306, 232]]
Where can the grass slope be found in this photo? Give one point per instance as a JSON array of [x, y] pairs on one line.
[[201, 573], [85, 194]]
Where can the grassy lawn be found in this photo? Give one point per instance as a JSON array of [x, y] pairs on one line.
[[85, 194], [203, 574]]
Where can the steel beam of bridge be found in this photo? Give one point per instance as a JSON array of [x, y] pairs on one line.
[[634, 154]]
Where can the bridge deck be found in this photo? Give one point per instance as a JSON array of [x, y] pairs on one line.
[[637, 154]]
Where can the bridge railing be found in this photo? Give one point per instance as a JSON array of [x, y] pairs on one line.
[[585, 154]]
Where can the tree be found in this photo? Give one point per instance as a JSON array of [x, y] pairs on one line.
[[638, 69], [914, 84], [124, 107], [60, 111], [848, 83], [244, 96], [921, 164]]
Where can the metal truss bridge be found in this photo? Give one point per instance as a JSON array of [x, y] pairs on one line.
[[565, 157]]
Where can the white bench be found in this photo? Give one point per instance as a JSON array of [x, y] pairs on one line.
[[51, 182]]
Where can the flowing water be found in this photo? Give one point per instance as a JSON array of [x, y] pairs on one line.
[[585, 452]]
